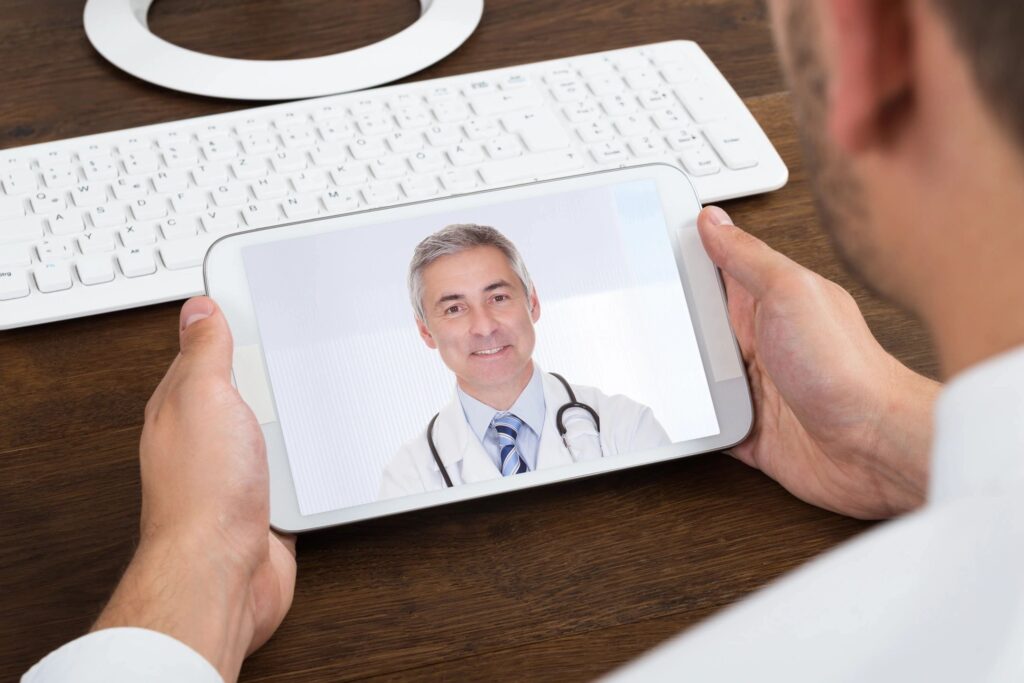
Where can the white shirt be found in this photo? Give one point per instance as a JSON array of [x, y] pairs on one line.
[[937, 595]]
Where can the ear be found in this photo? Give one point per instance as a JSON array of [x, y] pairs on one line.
[[534, 306], [868, 52], [425, 335]]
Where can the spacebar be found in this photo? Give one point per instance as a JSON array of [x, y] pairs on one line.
[[530, 167]]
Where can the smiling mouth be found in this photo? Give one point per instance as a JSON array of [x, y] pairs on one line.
[[490, 352]]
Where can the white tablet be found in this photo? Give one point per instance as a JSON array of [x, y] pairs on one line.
[[422, 354]]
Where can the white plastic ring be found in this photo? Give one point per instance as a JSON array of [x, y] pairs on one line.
[[119, 31]]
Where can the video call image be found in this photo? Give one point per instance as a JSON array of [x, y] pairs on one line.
[[480, 344]]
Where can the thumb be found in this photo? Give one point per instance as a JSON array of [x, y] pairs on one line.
[[748, 260], [205, 338]]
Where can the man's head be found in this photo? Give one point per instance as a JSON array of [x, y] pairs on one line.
[[475, 303], [912, 119]]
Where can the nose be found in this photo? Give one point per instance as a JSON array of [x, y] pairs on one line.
[[483, 323]]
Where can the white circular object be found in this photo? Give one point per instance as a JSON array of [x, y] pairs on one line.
[[119, 31]]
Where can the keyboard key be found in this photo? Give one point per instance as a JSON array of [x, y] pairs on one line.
[[15, 255], [481, 129], [405, 141], [376, 194], [95, 269], [13, 284], [642, 78], [262, 214], [513, 81], [187, 253], [220, 220], [376, 123], [646, 146], [301, 207], [618, 105], [702, 105], [298, 137], [443, 135], [505, 101], [413, 117], [669, 118], [581, 113], [420, 187], [628, 126], [136, 262], [99, 170], [130, 188], [20, 181], [20, 229], [700, 161], [11, 207], [54, 250], [611, 152], [259, 143], [249, 167], [96, 241], [47, 201], [137, 234], [348, 174], [230, 194], [52, 277], [683, 139], [605, 84], [388, 167], [107, 216], [271, 187], [140, 162], [732, 146], [58, 178], [179, 227], [426, 161], [465, 154], [340, 200], [166, 182], [503, 147], [367, 148], [678, 72], [336, 131], [88, 195], [189, 201], [451, 111], [656, 98], [596, 131], [206, 175], [66, 222], [329, 154], [534, 166], [310, 180], [459, 180], [180, 157], [145, 209]]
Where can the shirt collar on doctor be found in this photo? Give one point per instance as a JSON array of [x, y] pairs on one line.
[[529, 407]]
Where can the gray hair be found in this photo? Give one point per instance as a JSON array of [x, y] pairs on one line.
[[453, 239]]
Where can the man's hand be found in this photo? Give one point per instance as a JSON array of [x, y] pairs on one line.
[[838, 421], [208, 570]]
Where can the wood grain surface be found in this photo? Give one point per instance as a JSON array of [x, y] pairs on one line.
[[559, 583]]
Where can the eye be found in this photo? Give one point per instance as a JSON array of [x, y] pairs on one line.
[[452, 310], [501, 297]]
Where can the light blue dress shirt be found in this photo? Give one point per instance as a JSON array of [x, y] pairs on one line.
[[529, 407]]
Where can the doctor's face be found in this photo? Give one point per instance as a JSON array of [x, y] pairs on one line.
[[479, 318]]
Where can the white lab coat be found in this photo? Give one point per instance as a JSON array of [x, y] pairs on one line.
[[626, 427]]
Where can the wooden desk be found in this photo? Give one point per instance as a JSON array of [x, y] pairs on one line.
[[592, 572]]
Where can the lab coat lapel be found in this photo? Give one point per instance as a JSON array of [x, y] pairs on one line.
[[552, 451], [461, 452]]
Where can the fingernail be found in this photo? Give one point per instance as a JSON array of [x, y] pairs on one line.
[[717, 216], [195, 310]]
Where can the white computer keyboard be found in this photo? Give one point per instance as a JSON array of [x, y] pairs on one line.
[[122, 219]]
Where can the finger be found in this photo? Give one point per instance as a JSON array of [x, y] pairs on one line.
[[751, 262], [287, 540], [205, 339]]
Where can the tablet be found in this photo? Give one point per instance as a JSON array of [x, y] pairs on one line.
[[417, 355]]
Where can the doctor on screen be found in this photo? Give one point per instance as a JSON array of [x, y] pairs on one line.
[[475, 303]]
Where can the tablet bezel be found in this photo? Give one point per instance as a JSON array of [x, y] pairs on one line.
[[227, 283]]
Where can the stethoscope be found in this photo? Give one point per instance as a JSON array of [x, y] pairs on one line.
[[573, 403]]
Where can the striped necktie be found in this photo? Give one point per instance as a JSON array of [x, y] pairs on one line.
[[508, 425]]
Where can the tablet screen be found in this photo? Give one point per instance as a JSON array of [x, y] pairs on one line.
[[484, 323]]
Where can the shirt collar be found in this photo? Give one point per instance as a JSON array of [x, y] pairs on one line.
[[528, 407], [979, 430]]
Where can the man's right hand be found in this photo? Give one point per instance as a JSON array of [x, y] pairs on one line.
[[838, 422]]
